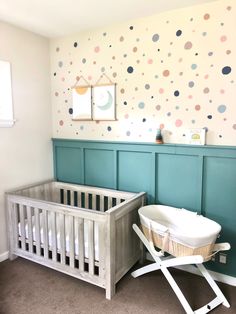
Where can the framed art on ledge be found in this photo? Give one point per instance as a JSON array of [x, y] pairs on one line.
[[197, 136]]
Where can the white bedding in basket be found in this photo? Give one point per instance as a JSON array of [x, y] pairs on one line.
[[184, 226], [86, 245]]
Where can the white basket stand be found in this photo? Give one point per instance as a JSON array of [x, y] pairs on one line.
[[163, 263]]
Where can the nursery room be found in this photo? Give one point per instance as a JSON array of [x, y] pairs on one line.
[[117, 156]]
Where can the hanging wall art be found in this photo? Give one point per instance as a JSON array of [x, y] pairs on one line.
[[82, 101], [104, 101]]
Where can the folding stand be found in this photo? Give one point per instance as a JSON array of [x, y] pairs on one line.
[[163, 263]]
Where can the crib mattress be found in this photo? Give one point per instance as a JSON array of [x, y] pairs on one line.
[[184, 227], [67, 242]]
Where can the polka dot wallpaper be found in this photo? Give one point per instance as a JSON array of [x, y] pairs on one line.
[[174, 71]]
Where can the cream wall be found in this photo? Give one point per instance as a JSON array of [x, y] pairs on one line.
[[183, 76], [25, 149]]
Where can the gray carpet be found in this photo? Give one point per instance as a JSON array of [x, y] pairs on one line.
[[26, 287]]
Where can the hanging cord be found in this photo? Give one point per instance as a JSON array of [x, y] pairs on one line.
[[81, 77], [104, 75]]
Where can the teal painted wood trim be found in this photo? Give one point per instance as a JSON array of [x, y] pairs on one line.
[[199, 178]]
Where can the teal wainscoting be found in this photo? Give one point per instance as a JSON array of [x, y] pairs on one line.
[[199, 178]]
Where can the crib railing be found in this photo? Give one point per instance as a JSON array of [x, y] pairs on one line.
[[48, 232]]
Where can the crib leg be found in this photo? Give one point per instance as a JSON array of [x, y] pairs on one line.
[[12, 256], [110, 291], [213, 285]]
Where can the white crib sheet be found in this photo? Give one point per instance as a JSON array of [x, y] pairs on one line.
[[67, 243]]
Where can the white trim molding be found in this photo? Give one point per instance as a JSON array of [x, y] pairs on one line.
[[7, 123], [4, 256], [193, 270]]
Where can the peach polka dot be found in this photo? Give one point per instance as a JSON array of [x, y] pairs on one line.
[[162, 126], [197, 107], [161, 90], [222, 91], [206, 76], [166, 73], [150, 61]]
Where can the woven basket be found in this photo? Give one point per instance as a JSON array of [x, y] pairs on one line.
[[176, 249]]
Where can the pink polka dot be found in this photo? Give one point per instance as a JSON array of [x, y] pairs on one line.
[[89, 77], [158, 107], [222, 91], [206, 76], [161, 90], [178, 123], [197, 107], [61, 122], [150, 61], [223, 38], [190, 97], [97, 49], [206, 16], [162, 126], [126, 116], [63, 79]]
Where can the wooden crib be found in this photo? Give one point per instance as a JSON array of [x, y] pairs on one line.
[[83, 231]]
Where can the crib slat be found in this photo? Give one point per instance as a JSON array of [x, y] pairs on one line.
[[65, 197], [45, 233], [54, 236], [94, 201], [91, 246], [109, 202], [72, 241], [86, 200], [81, 243], [30, 230], [37, 231], [101, 203], [62, 239], [22, 226], [72, 198], [79, 198], [101, 247], [15, 221]]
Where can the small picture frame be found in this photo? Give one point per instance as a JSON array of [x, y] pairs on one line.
[[82, 103], [197, 136], [104, 102]]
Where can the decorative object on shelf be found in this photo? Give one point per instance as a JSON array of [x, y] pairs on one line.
[[104, 100], [82, 100], [159, 138], [197, 136]]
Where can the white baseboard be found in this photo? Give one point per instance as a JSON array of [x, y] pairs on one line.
[[4, 256], [193, 270]]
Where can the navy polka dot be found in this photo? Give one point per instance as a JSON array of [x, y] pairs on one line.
[[125, 103], [176, 93], [71, 111], [209, 116], [130, 69], [109, 128], [178, 33], [75, 44], [226, 70]]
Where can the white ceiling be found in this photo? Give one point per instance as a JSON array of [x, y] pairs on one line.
[[56, 18]]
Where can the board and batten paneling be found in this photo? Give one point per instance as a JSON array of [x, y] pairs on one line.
[[198, 178]]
